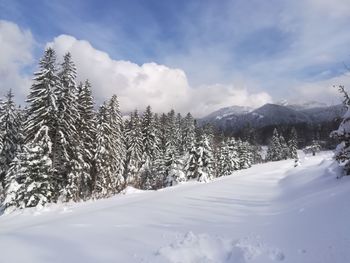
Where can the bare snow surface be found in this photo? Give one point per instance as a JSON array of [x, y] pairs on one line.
[[269, 213]]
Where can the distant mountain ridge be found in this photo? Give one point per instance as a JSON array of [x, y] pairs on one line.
[[227, 111], [238, 117], [302, 106]]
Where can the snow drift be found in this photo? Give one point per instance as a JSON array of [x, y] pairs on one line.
[[271, 212]]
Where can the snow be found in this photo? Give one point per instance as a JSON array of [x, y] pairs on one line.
[[271, 212], [274, 114]]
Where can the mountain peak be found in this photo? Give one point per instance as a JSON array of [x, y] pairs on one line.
[[302, 105]]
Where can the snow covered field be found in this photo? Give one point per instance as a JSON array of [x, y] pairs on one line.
[[269, 213]]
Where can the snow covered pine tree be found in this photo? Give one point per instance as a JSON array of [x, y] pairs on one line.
[[274, 151], [342, 134]]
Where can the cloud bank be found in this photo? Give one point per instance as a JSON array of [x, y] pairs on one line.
[[152, 84], [16, 47]]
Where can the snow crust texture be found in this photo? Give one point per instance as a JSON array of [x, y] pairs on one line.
[[271, 212], [208, 249]]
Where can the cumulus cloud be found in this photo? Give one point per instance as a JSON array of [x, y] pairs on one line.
[[15, 54], [207, 99], [323, 90], [149, 84]]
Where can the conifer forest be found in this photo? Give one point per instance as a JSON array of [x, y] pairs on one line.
[[62, 147]]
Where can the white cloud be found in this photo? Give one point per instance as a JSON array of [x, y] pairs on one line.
[[207, 99], [324, 90], [149, 84], [15, 53]]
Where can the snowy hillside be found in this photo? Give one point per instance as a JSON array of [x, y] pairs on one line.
[[271, 114], [228, 112], [275, 114], [302, 105], [269, 213]]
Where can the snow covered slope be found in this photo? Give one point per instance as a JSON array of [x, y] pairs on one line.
[[227, 112], [269, 213], [274, 114]]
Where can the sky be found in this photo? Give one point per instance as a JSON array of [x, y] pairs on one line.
[[190, 55]]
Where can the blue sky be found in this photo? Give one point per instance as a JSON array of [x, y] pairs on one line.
[[288, 49]]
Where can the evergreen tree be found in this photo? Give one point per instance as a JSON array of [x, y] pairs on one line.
[[77, 177], [200, 160], [178, 134], [133, 150], [342, 134], [189, 136], [86, 129], [245, 158], [174, 166], [162, 134], [170, 131], [10, 127], [173, 163], [233, 159], [255, 151], [191, 167], [29, 180], [228, 157], [293, 146], [66, 151], [285, 154], [158, 168], [149, 138], [274, 152], [223, 167], [118, 150], [12, 183], [42, 113], [103, 160], [204, 169], [314, 148], [42, 100]]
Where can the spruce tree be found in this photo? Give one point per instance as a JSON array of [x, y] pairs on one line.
[[188, 133], [232, 159], [173, 163], [162, 134], [133, 135], [149, 138], [10, 127], [171, 131], [12, 183], [204, 169], [285, 154], [174, 166], [42, 115], [66, 151], [86, 129], [118, 150], [29, 180], [42, 100], [191, 166], [245, 158], [223, 167], [293, 146], [178, 134], [158, 168], [342, 134], [103, 160], [274, 151], [255, 151]]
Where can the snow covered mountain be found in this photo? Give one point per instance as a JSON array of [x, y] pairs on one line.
[[228, 112], [274, 114], [303, 105], [271, 212]]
